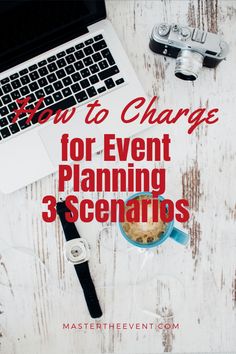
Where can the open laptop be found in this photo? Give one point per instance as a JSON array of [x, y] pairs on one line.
[[68, 53]]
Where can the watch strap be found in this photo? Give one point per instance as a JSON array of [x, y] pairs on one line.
[[69, 228], [90, 294], [82, 269]]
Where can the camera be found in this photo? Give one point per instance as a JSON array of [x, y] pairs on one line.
[[192, 48]]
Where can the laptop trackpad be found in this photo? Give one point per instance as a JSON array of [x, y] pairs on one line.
[[25, 160], [76, 128]]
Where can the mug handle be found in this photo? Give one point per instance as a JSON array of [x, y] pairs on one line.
[[179, 236]]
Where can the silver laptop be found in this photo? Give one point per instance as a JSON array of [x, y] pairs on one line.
[[68, 53]]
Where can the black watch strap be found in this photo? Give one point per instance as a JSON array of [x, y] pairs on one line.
[[90, 294], [82, 269], [69, 228]]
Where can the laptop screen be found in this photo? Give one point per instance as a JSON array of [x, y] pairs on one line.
[[30, 27]]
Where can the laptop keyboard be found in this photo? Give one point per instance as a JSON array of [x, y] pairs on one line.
[[64, 80]]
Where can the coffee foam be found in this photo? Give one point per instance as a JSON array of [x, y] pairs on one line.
[[148, 231]]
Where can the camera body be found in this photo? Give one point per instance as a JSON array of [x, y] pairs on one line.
[[192, 47]]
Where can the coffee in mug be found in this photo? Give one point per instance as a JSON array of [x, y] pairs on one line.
[[145, 231]]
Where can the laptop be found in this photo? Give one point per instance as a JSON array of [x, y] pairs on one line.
[[68, 53]]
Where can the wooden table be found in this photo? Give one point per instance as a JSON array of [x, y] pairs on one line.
[[193, 287]]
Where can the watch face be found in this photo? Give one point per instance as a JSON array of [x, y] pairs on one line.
[[77, 251]]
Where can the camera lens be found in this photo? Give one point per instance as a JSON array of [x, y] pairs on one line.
[[188, 65]]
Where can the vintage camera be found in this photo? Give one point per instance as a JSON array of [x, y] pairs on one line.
[[192, 47]]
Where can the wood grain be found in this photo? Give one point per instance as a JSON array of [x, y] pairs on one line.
[[194, 286]]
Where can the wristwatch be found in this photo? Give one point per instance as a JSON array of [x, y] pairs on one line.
[[77, 253]]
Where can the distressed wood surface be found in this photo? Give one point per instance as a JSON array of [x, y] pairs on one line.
[[194, 286]]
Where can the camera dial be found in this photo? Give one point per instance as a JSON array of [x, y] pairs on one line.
[[163, 29], [184, 33], [175, 28]]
